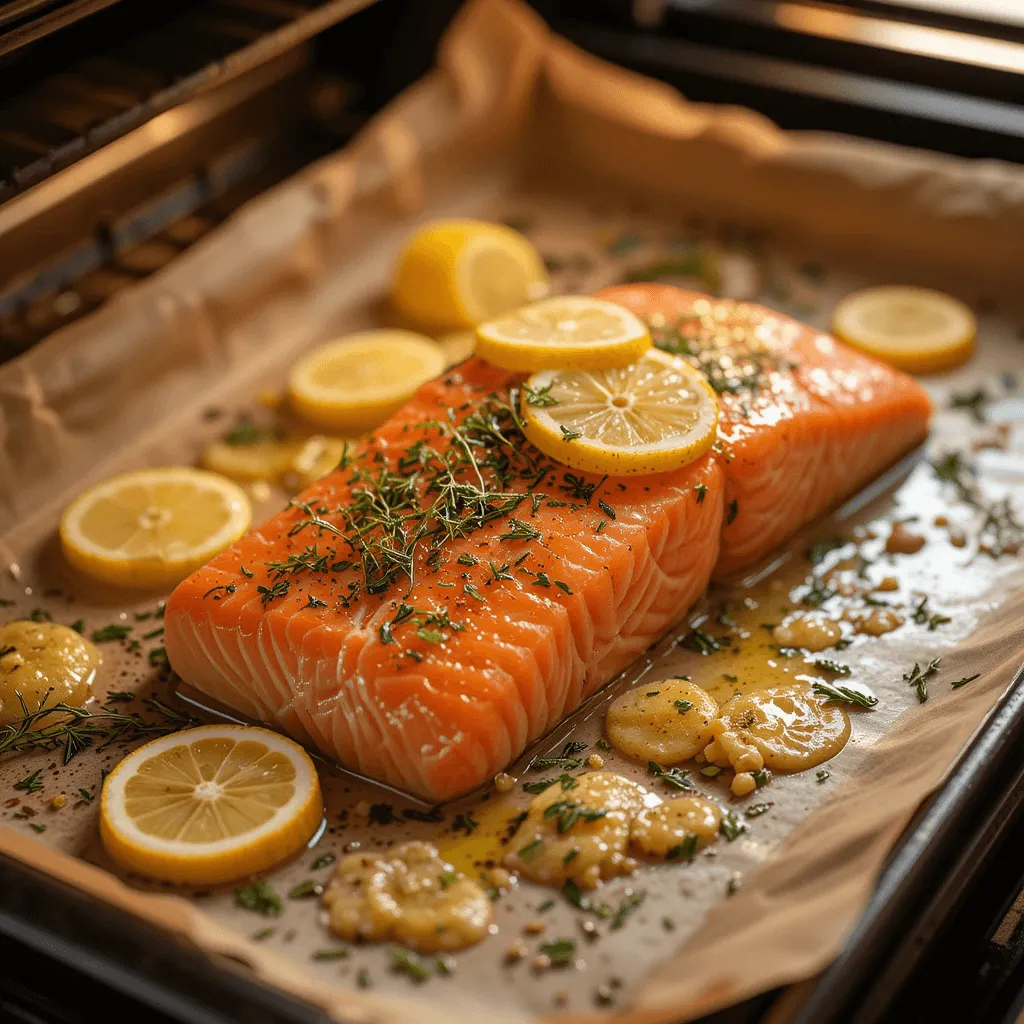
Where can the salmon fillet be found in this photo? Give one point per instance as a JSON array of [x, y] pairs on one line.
[[531, 586], [805, 420]]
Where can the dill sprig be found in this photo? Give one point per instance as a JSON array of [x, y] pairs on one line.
[[71, 730]]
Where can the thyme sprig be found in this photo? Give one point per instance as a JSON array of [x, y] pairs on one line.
[[71, 730]]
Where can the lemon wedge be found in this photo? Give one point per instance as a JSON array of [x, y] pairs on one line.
[[914, 329], [152, 528], [650, 417], [456, 273], [355, 383], [210, 805], [571, 332]]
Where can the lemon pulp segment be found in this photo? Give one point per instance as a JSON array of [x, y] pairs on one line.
[[650, 417], [153, 527]]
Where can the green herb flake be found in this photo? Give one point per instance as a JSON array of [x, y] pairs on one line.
[[323, 861], [404, 961], [686, 850], [78, 625], [341, 953], [108, 633], [31, 783], [732, 828], [957, 683], [675, 777], [259, 897], [702, 491], [531, 849], [918, 678], [560, 952], [305, 889], [682, 706], [631, 902]]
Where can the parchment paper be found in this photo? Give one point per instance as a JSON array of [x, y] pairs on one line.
[[516, 124]]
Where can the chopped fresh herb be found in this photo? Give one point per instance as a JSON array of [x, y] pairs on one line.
[[542, 580], [844, 695], [36, 826], [78, 625], [385, 634], [702, 490], [918, 677], [247, 573], [571, 855], [704, 643], [756, 810], [820, 549], [260, 898], [404, 961], [686, 850], [606, 509], [539, 397], [734, 508], [227, 588], [762, 777], [560, 952], [363, 978], [119, 697], [652, 693], [631, 901], [841, 645], [86, 795], [40, 615], [467, 559], [499, 573], [601, 525], [107, 633], [568, 812], [31, 783], [279, 588], [158, 657], [531, 849], [603, 745], [957, 683], [574, 747], [569, 435], [465, 823], [711, 771], [248, 433], [732, 828], [444, 965], [323, 861], [922, 615], [314, 602], [305, 889], [263, 933], [519, 531], [973, 402], [835, 667], [563, 586], [676, 777], [546, 905], [340, 953], [543, 764], [447, 878], [430, 636], [153, 633], [682, 706]]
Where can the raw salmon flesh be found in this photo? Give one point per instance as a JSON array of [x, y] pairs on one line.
[[448, 594]]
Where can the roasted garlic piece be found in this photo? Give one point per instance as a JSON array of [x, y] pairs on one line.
[[812, 631], [677, 828], [792, 730], [409, 895], [42, 660], [580, 833], [667, 721]]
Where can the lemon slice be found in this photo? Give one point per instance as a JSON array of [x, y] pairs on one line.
[[152, 528], [914, 329], [572, 332], [355, 383], [210, 805], [261, 460], [653, 416], [456, 273]]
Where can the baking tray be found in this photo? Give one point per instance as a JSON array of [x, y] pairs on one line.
[[312, 266]]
